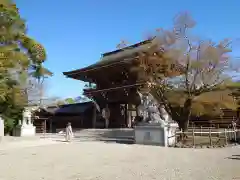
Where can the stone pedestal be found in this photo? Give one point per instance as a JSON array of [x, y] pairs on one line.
[[24, 128], [155, 134], [27, 130]]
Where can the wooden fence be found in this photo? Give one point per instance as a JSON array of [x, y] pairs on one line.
[[207, 136]]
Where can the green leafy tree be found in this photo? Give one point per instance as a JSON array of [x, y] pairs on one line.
[[69, 101], [20, 58]]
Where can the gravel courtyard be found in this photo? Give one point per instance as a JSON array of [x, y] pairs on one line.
[[107, 161]]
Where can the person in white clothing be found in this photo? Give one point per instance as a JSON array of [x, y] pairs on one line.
[[69, 132]]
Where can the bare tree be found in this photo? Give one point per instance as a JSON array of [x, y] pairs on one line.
[[178, 62], [34, 90]]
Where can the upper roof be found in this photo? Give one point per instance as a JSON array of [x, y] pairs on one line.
[[77, 108], [117, 56]]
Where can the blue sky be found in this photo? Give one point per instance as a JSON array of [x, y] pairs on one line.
[[76, 32]]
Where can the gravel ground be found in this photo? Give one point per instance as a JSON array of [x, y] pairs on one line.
[[108, 161]]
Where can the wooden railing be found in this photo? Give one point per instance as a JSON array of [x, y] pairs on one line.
[[209, 134]]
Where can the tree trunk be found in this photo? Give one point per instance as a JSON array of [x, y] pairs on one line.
[[184, 125], [185, 117]]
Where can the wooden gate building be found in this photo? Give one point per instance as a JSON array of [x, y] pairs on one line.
[[112, 81]]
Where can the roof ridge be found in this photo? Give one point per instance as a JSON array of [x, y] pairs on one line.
[[128, 47]]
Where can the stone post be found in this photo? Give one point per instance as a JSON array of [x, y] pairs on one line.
[[1, 128]]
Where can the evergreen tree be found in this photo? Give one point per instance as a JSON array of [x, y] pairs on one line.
[[20, 57]]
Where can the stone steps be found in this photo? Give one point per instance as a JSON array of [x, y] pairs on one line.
[[98, 134]]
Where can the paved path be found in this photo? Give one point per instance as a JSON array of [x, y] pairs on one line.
[[109, 161]]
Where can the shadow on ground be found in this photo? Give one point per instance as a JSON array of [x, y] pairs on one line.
[[234, 157], [118, 141]]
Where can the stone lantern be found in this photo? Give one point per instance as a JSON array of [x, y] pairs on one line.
[[25, 126]]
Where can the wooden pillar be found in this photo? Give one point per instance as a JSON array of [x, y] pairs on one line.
[[126, 115], [45, 127], [94, 117], [50, 124]]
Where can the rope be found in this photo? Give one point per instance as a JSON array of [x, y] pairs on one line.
[[115, 88]]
